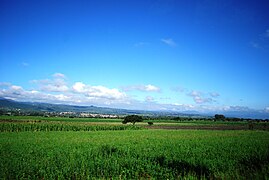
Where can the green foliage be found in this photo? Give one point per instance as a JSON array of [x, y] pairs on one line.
[[145, 154], [132, 119], [219, 117], [19, 127], [150, 123]]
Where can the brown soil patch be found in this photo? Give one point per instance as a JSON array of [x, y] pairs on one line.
[[234, 127]]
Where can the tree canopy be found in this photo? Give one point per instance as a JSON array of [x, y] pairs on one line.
[[132, 119], [219, 117]]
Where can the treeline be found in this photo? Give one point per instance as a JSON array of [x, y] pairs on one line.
[[216, 117], [219, 117]]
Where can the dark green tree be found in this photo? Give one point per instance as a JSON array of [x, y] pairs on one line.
[[150, 123], [132, 119], [219, 117]]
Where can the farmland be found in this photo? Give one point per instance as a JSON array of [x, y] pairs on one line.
[[70, 148]]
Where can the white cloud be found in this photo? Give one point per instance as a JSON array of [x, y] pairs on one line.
[[4, 84], [149, 99], [79, 87], [62, 97], [151, 88], [59, 75], [104, 92], [200, 98], [56, 90], [194, 93], [16, 88], [57, 84], [84, 95], [185, 106], [98, 91], [214, 94], [56, 87], [169, 42], [144, 88], [179, 89], [236, 108]]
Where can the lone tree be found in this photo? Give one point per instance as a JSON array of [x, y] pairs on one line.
[[150, 123], [132, 119], [219, 117]]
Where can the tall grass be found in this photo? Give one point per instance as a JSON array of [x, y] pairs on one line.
[[155, 154], [18, 127]]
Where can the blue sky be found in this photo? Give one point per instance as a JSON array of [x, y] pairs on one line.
[[206, 56]]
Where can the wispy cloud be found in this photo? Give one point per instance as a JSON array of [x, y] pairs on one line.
[[56, 84], [255, 45], [144, 88], [169, 42], [59, 75], [25, 64], [261, 42], [267, 33], [5, 84], [214, 94], [179, 89], [199, 97], [150, 99], [141, 44]]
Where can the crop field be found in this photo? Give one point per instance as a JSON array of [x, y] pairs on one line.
[[61, 119], [40, 149]]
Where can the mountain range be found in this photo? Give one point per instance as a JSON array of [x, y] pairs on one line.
[[9, 104], [47, 107]]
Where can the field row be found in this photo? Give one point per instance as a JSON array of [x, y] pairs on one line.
[[18, 127], [155, 154], [29, 123]]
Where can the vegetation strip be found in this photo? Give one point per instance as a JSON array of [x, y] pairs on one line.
[[83, 148], [145, 154], [216, 127], [18, 127]]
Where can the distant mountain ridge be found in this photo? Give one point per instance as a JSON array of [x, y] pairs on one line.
[[47, 107]]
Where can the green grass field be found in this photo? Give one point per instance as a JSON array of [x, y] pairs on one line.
[[75, 152]]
